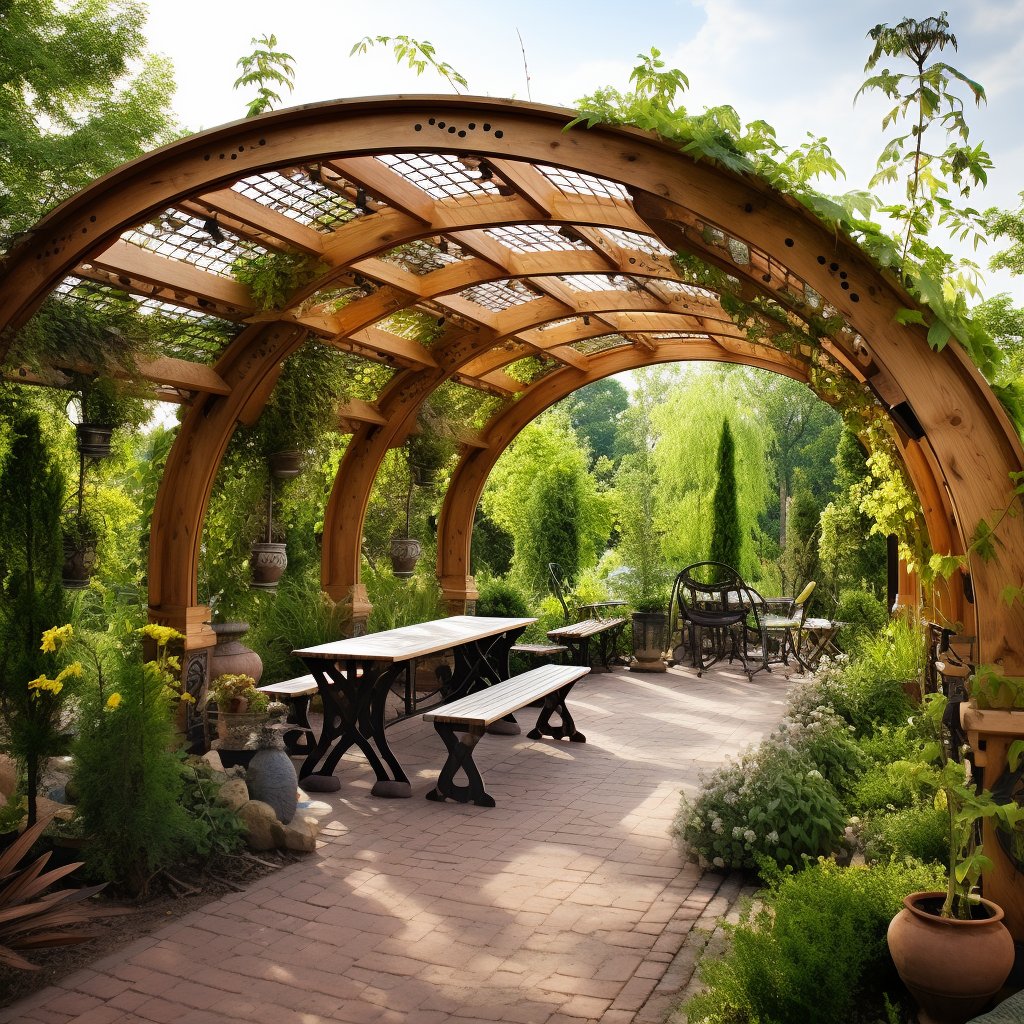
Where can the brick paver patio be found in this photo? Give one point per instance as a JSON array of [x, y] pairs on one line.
[[565, 903]]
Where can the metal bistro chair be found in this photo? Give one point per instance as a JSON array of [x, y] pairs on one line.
[[605, 640], [785, 630], [725, 612]]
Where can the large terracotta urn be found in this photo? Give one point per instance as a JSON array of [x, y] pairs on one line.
[[951, 967], [231, 657]]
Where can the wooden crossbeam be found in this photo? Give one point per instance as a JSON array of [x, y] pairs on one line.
[[528, 182], [137, 263], [382, 182], [265, 220], [356, 412]]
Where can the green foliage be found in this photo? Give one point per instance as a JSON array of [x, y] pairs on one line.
[[595, 411], [31, 556], [541, 494], [726, 540], [128, 777], [273, 277], [863, 612], [263, 66], [781, 801], [1007, 224], [80, 96], [220, 831], [920, 833], [400, 602], [500, 597], [814, 940], [417, 55]]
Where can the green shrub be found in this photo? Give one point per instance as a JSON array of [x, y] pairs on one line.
[[813, 942], [918, 832], [400, 602], [863, 612], [886, 744], [220, 830], [500, 598], [128, 777], [777, 802], [897, 785]]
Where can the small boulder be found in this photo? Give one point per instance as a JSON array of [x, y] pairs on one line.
[[262, 823], [233, 794], [3, 801], [212, 758], [8, 775], [46, 807], [300, 835]]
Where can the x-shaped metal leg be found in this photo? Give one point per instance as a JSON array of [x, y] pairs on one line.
[[554, 704], [460, 755]]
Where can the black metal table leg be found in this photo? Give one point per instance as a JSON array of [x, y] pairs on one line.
[[298, 716], [460, 755], [353, 714], [554, 704]]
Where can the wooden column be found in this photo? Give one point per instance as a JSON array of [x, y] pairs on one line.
[[990, 734]]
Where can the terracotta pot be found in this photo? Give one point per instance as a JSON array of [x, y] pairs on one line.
[[231, 657], [285, 465], [93, 440], [650, 637], [951, 967], [405, 553], [79, 562], [268, 562]]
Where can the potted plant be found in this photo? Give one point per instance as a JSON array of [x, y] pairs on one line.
[[951, 948], [268, 557], [105, 406], [241, 714]]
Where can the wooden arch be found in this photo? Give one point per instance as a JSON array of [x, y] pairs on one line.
[[466, 174]]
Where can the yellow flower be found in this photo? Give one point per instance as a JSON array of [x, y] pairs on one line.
[[161, 634], [113, 700], [173, 662], [188, 698], [74, 669], [39, 684], [58, 635]]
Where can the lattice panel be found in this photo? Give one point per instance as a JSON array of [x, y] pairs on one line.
[[499, 295], [181, 236], [591, 346], [583, 184], [297, 196], [634, 240], [421, 257], [534, 238], [440, 175]]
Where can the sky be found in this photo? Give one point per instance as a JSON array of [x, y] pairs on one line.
[[793, 63]]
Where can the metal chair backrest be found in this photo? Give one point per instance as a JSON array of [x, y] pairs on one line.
[[557, 585]]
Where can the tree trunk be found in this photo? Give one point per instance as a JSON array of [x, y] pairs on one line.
[[782, 513]]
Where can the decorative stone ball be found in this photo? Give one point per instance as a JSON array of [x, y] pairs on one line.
[[271, 778]]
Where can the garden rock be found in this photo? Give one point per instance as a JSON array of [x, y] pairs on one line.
[[8, 775], [299, 836], [233, 794], [271, 778], [46, 807], [3, 801], [262, 823], [212, 758]]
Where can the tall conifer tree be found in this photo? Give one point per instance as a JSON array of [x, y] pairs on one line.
[[726, 540]]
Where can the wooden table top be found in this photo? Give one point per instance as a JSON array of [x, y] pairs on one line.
[[417, 641]]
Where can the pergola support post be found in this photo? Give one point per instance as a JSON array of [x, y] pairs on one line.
[[459, 594], [354, 599]]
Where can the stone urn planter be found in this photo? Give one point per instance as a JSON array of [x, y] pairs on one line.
[[238, 738], [93, 440], [231, 657], [650, 637], [268, 561], [951, 967], [405, 553]]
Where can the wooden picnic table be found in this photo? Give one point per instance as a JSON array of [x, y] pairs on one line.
[[355, 676]]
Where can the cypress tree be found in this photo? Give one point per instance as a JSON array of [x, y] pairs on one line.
[[726, 539], [31, 556]]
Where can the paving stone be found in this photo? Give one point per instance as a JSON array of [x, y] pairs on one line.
[[565, 903]]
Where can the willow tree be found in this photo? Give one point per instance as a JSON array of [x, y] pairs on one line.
[[689, 422]]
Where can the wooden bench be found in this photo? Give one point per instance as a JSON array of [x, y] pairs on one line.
[[473, 714], [296, 694], [578, 636]]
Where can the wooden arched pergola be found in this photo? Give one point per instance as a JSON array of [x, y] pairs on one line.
[[525, 239]]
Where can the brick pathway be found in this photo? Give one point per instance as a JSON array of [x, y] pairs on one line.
[[565, 903]]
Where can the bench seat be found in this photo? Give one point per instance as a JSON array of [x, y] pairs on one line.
[[579, 634], [474, 713], [295, 693]]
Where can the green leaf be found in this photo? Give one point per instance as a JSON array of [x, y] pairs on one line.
[[909, 316], [938, 335]]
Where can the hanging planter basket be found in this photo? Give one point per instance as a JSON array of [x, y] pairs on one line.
[[285, 465], [93, 440], [268, 561], [405, 553], [79, 561]]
